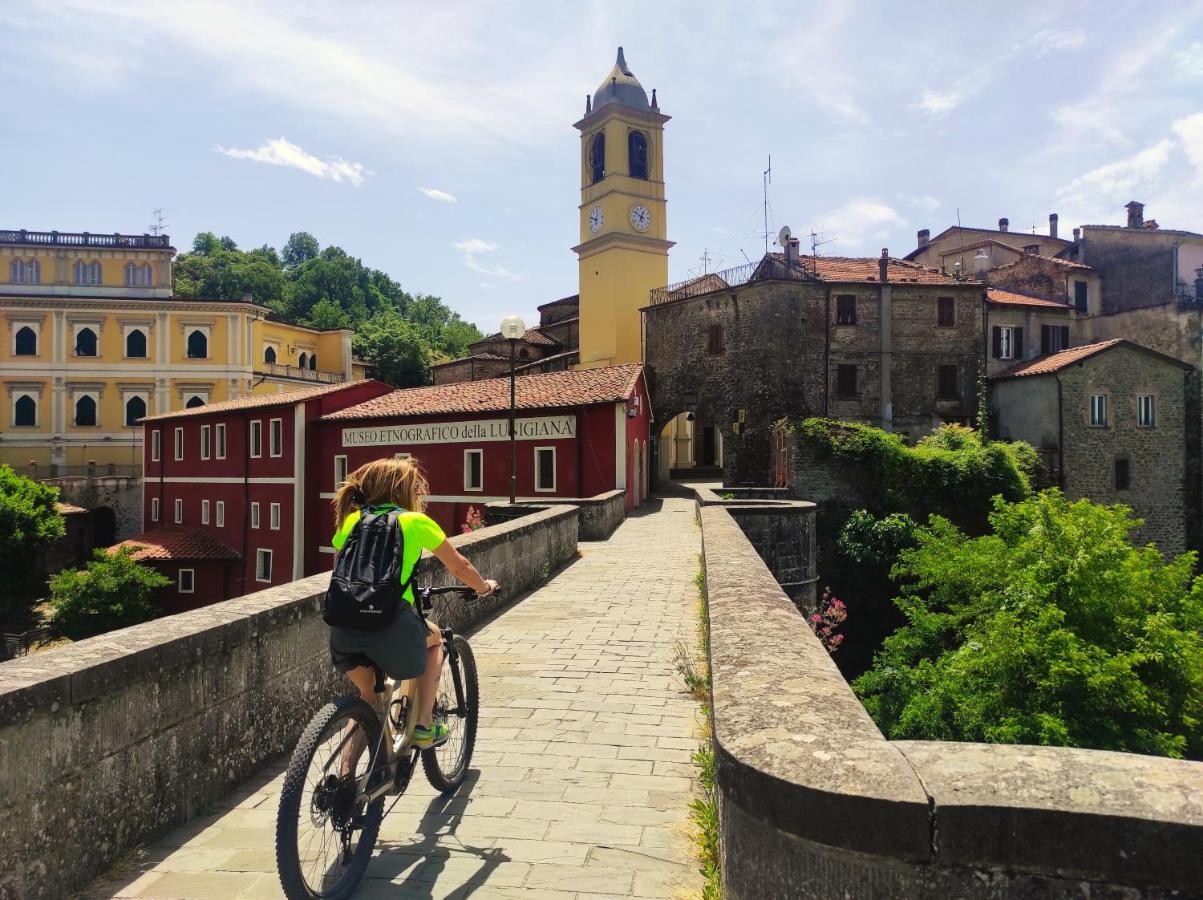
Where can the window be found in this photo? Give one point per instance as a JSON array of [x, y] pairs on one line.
[[25, 343], [269, 354], [1146, 411], [206, 441], [87, 273], [1007, 342], [187, 581], [340, 471], [1053, 338], [845, 381], [154, 509], [135, 409], [194, 401], [715, 340], [545, 469], [1081, 296], [179, 511], [274, 517], [85, 342], [156, 445], [85, 411], [137, 276], [179, 444], [256, 439], [845, 309], [263, 565], [25, 271], [25, 412], [947, 383], [221, 514], [1098, 410], [313, 362], [204, 512], [946, 311], [1123, 474], [255, 514], [474, 461], [597, 157], [402, 455], [303, 360], [275, 436], [637, 150], [135, 344], [198, 345], [221, 440]]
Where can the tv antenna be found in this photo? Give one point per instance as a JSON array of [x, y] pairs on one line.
[[159, 225], [705, 260], [768, 179], [815, 243]]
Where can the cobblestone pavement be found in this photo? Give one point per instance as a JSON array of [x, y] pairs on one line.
[[581, 778]]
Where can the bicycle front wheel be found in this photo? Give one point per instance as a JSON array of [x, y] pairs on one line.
[[447, 764], [324, 837]]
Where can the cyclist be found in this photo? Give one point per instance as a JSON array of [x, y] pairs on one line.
[[404, 649]]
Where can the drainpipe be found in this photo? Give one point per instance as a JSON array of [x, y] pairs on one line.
[[827, 357], [1060, 434], [246, 500]]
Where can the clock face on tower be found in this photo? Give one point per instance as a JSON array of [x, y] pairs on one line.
[[595, 219], [640, 217]]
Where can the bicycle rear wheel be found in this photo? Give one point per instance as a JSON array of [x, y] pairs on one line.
[[324, 839], [447, 764]]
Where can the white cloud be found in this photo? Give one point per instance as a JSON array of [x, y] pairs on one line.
[[1044, 42], [475, 245], [860, 221], [1189, 62], [925, 202], [281, 152], [1095, 196], [1190, 132], [436, 194], [939, 103]]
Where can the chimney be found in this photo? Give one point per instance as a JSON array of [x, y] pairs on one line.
[[1002, 224], [246, 297], [924, 237], [883, 265], [981, 264], [1136, 214], [1077, 234], [1052, 225], [791, 250]]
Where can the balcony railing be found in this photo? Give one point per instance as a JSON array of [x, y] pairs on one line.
[[88, 470], [275, 370], [84, 239], [770, 268]]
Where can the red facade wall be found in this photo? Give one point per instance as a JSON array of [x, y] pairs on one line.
[[213, 582]]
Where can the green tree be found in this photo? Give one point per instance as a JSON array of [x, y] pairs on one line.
[[326, 314], [394, 350], [1052, 629], [114, 591], [300, 247], [29, 523]]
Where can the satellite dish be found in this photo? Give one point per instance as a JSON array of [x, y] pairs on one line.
[[783, 236]]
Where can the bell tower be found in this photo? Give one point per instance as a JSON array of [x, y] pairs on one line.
[[623, 253]]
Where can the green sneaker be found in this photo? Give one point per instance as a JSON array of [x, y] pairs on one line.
[[425, 738]]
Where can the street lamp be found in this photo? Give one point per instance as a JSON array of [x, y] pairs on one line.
[[512, 329]]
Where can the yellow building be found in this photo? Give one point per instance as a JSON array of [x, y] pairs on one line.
[[623, 253], [91, 340]]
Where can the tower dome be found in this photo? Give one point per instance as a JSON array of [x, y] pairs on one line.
[[622, 87]]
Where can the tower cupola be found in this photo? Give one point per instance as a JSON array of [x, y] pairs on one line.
[[622, 87]]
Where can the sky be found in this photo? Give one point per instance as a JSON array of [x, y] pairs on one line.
[[435, 141]]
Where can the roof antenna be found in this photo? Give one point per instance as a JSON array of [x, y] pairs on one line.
[[159, 225], [768, 179]]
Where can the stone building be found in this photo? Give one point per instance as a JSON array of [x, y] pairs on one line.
[[971, 252], [882, 341], [1110, 419], [1022, 326]]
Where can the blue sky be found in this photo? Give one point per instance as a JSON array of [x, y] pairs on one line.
[[435, 141]]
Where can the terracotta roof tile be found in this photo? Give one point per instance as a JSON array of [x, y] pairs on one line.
[[1055, 362], [258, 401], [1011, 298], [1056, 260], [532, 336], [68, 509], [459, 359], [574, 298], [578, 387], [176, 542], [867, 268]]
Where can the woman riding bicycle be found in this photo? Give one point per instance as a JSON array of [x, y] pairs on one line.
[[406, 648]]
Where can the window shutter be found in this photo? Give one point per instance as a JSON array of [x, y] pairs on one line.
[[1064, 343], [1017, 352], [1045, 339], [996, 341]]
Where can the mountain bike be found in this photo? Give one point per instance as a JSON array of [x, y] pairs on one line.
[[353, 755]]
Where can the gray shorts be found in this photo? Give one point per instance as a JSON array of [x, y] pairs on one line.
[[399, 649]]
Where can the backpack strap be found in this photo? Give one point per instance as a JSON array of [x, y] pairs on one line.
[[395, 516]]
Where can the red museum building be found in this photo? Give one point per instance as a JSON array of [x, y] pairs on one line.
[[258, 474]]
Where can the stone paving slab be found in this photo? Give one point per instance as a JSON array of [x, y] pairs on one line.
[[581, 777]]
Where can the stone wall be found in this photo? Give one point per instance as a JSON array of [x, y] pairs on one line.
[[1135, 270], [111, 740], [597, 516], [815, 802], [121, 494]]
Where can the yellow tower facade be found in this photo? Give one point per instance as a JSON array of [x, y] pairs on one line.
[[623, 253]]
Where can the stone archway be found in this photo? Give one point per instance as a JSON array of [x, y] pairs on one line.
[[104, 527]]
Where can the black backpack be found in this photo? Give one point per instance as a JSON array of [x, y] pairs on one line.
[[365, 589]]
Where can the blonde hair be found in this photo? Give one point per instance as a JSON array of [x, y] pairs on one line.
[[396, 481]]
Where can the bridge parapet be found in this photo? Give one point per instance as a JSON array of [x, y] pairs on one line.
[[112, 740]]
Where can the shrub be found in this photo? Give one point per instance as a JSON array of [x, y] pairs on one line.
[[114, 591], [829, 616], [1053, 629], [29, 523], [473, 521]]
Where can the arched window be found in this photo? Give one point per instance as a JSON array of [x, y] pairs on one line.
[[269, 355], [25, 271], [597, 157], [303, 360], [85, 342], [198, 345], [85, 411], [193, 402], [313, 363], [135, 409], [637, 150], [524, 353], [137, 276], [135, 344], [87, 273], [25, 412], [26, 343]]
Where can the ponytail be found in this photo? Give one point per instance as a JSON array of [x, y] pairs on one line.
[[396, 481]]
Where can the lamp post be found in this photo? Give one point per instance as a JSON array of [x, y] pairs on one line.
[[512, 329]]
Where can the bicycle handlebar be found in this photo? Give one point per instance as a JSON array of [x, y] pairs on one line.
[[451, 589]]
